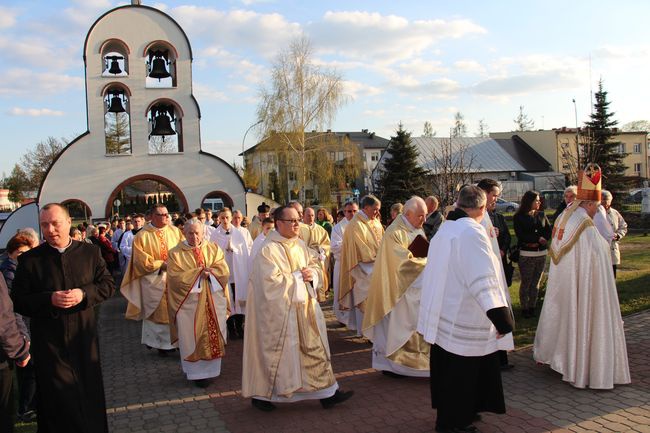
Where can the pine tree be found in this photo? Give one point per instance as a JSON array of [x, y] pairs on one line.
[[600, 147], [401, 176]]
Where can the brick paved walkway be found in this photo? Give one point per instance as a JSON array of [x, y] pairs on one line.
[[146, 393]]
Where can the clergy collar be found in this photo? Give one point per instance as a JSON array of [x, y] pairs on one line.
[[190, 246], [62, 250]]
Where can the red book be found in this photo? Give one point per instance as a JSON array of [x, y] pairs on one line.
[[419, 247]]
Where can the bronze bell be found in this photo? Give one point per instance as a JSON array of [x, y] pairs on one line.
[[162, 125], [116, 104], [159, 69], [115, 66]]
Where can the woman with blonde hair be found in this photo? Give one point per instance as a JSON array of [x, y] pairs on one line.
[[325, 220]]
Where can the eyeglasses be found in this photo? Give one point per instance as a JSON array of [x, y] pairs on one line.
[[292, 221], [164, 215]]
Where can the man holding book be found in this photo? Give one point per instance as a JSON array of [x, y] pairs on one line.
[[393, 302]]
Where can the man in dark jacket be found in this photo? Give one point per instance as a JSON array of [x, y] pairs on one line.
[[58, 285], [14, 348], [434, 217]]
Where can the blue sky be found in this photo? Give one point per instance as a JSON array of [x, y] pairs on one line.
[[408, 61]]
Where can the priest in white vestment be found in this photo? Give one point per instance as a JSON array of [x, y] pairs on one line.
[[265, 228], [343, 316], [197, 281], [580, 331], [286, 352], [393, 304], [463, 314], [237, 250], [237, 218]]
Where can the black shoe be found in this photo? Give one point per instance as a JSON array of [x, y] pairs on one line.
[[393, 375], [468, 429], [264, 406], [163, 353], [338, 397], [202, 383]]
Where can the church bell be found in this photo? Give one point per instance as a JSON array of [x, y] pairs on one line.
[[159, 65], [116, 104], [115, 66], [162, 124]]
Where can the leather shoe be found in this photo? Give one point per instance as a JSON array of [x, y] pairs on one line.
[[338, 397], [467, 429], [264, 406], [202, 383]]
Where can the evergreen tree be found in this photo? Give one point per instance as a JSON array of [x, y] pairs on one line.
[[460, 128], [428, 131], [600, 147], [401, 175]]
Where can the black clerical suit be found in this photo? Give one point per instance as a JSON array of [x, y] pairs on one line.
[[70, 392]]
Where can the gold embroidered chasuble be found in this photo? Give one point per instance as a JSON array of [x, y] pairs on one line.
[[316, 238], [143, 285], [360, 245], [205, 332], [285, 346], [395, 273]]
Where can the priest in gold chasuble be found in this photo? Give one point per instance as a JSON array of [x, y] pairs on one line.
[[391, 314], [360, 245], [145, 278], [286, 352], [318, 242], [197, 275]]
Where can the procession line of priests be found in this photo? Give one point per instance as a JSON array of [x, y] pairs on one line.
[[392, 307], [360, 245], [144, 283], [336, 244], [198, 303], [286, 352], [580, 332]]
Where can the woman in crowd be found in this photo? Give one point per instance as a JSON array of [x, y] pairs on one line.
[[324, 219], [619, 227], [26, 378], [108, 253], [533, 232], [395, 210]]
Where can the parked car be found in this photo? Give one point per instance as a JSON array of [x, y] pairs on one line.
[[506, 206]]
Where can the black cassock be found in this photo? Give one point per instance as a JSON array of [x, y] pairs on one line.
[[70, 391]]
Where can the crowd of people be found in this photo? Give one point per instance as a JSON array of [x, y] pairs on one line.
[[429, 290]]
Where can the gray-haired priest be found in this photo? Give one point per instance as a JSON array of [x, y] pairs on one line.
[[198, 298], [393, 300], [286, 352], [463, 312]]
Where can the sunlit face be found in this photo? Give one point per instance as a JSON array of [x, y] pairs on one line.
[[417, 216], [308, 216], [262, 216], [201, 217], [193, 234], [606, 202], [536, 204], [350, 210], [138, 223], [591, 207], [372, 211], [77, 236], [237, 218], [569, 196], [160, 217], [121, 224], [55, 226], [289, 225], [225, 219], [492, 197], [298, 208], [266, 228], [321, 215]]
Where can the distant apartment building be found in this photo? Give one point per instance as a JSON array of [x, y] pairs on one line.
[[552, 145], [269, 170]]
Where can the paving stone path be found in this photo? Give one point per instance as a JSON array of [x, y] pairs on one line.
[[147, 393]]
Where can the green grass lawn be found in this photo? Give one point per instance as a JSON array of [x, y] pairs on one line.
[[632, 283]]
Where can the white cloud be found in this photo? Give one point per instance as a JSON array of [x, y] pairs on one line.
[[239, 66], [39, 52], [420, 67], [469, 66], [7, 17], [34, 112], [207, 93], [264, 33], [85, 12], [356, 89], [374, 113], [28, 83], [525, 84], [384, 38], [439, 87]]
